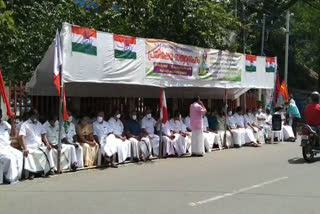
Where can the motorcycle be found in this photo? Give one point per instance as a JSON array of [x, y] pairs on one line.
[[309, 143]]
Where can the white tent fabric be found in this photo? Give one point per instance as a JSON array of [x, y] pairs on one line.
[[105, 76]]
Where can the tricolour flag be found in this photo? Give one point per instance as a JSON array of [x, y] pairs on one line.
[[284, 91], [251, 63], [271, 64], [124, 47], [4, 96], [163, 107], [57, 72], [84, 40]]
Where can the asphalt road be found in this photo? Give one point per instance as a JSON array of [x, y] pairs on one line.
[[272, 179]]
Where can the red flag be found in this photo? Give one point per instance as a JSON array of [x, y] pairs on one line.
[[284, 91], [57, 74], [163, 107], [4, 96], [276, 90]]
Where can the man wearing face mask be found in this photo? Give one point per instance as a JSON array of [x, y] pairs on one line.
[[69, 130], [36, 149], [108, 142], [240, 121], [140, 142], [178, 129], [68, 152], [238, 135], [223, 135], [124, 145], [11, 159], [148, 124], [210, 137]]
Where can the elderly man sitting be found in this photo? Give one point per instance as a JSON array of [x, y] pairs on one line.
[[108, 142], [148, 124], [36, 149], [250, 140], [179, 130], [238, 135], [68, 152], [10, 158], [210, 137], [141, 142], [225, 136]]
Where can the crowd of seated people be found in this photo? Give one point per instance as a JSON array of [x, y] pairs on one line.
[[118, 139]]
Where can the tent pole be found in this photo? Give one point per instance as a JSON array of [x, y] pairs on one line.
[[160, 134], [225, 117], [60, 129]]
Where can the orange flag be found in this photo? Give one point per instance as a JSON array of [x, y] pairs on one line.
[[284, 91]]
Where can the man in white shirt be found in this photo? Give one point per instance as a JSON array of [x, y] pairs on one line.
[[69, 130], [238, 135], [183, 142], [187, 123], [250, 123], [268, 125], [68, 152], [108, 141], [37, 151], [240, 122], [124, 145], [210, 138], [11, 159], [148, 125]]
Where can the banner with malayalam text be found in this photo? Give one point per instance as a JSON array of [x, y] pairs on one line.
[[169, 60]]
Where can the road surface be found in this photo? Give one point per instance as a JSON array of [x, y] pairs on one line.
[[272, 179]]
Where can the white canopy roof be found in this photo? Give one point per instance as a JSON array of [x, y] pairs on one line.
[[105, 76]]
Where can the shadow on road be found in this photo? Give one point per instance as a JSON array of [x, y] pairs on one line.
[[299, 160]]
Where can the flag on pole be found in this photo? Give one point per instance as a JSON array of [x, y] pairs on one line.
[[284, 91], [163, 107], [275, 95], [57, 68], [125, 47], [4, 96], [251, 63]]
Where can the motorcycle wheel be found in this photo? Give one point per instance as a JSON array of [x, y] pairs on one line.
[[307, 153]]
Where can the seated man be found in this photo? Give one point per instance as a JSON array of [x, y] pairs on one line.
[[124, 145], [249, 122], [68, 152], [250, 140], [140, 142], [286, 128], [148, 124], [187, 122], [210, 137], [170, 140], [36, 149], [224, 136], [108, 142], [267, 127], [238, 135], [178, 129], [69, 130], [11, 159], [88, 143]]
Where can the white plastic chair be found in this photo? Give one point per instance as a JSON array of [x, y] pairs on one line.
[[279, 136], [276, 122]]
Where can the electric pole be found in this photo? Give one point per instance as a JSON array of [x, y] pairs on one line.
[[287, 49]]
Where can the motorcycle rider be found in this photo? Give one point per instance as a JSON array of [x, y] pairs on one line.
[[312, 111]]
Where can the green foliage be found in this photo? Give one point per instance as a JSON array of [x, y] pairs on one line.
[[31, 25]]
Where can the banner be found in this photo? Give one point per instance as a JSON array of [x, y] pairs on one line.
[[169, 60]]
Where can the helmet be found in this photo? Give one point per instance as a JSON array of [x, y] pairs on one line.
[[315, 96]]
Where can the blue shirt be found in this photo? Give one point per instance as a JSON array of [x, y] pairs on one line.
[[133, 126], [293, 110]]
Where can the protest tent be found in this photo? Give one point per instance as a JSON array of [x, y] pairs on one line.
[[99, 64]]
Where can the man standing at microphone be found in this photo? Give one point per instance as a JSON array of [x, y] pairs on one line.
[[197, 111]]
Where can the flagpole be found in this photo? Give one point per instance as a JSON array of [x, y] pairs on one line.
[[161, 119], [225, 117], [60, 114]]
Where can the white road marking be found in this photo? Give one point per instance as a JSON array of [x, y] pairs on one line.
[[193, 204]]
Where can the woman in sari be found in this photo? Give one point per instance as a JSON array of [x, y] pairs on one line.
[[87, 142]]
